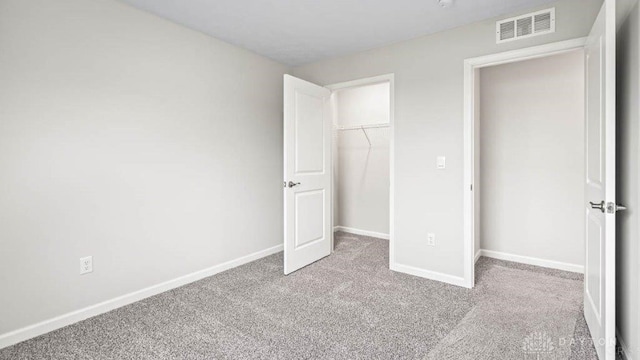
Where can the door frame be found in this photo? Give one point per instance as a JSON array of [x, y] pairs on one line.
[[388, 78], [471, 68]]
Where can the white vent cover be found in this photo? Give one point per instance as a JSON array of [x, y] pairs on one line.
[[524, 26]]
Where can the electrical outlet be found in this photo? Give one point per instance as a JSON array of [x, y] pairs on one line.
[[86, 265], [431, 239]]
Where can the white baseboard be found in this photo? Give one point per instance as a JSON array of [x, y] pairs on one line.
[[623, 345], [477, 257], [361, 232], [427, 274], [532, 261], [58, 322]]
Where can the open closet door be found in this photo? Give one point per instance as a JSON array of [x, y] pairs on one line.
[[307, 173], [600, 190]]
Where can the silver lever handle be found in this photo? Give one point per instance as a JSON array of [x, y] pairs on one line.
[[292, 184], [599, 206], [613, 208]]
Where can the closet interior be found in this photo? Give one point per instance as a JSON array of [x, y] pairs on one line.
[[361, 159], [530, 162]]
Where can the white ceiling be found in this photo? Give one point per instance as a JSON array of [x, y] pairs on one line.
[[296, 32]]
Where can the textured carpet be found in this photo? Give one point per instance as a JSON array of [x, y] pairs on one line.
[[346, 306]]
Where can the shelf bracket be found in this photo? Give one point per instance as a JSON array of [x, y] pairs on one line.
[[365, 135]]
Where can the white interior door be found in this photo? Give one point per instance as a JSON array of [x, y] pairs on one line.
[[600, 191], [307, 173]]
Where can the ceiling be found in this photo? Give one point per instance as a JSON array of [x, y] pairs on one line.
[[296, 32]]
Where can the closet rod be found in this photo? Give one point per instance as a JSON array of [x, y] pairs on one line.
[[360, 127], [364, 130]]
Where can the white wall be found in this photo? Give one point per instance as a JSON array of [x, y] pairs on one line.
[[363, 170], [363, 105], [628, 181], [428, 122], [532, 158], [153, 148]]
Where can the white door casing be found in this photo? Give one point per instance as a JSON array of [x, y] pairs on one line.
[[599, 277], [307, 173], [471, 67]]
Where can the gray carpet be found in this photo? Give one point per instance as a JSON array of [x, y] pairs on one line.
[[346, 306]]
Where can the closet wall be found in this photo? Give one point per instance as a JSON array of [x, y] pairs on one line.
[[361, 165], [532, 158]]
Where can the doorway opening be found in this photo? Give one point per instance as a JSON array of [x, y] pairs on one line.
[[599, 173], [362, 157], [530, 162], [315, 144], [522, 132]]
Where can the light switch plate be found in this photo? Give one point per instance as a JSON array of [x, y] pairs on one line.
[[441, 163]]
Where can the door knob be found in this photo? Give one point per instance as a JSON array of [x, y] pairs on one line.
[[292, 184], [599, 206], [613, 208]]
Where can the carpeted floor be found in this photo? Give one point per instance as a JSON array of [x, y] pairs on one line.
[[346, 306]]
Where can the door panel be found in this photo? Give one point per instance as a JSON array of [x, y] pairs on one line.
[[593, 275], [307, 173], [309, 210], [309, 136], [599, 283], [595, 120]]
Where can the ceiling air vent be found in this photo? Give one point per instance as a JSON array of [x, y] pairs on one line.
[[524, 26]]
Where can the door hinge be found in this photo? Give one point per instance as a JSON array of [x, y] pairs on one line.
[[471, 187]]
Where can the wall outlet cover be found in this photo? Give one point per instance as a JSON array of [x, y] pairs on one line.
[[86, 265], [431, 239]]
